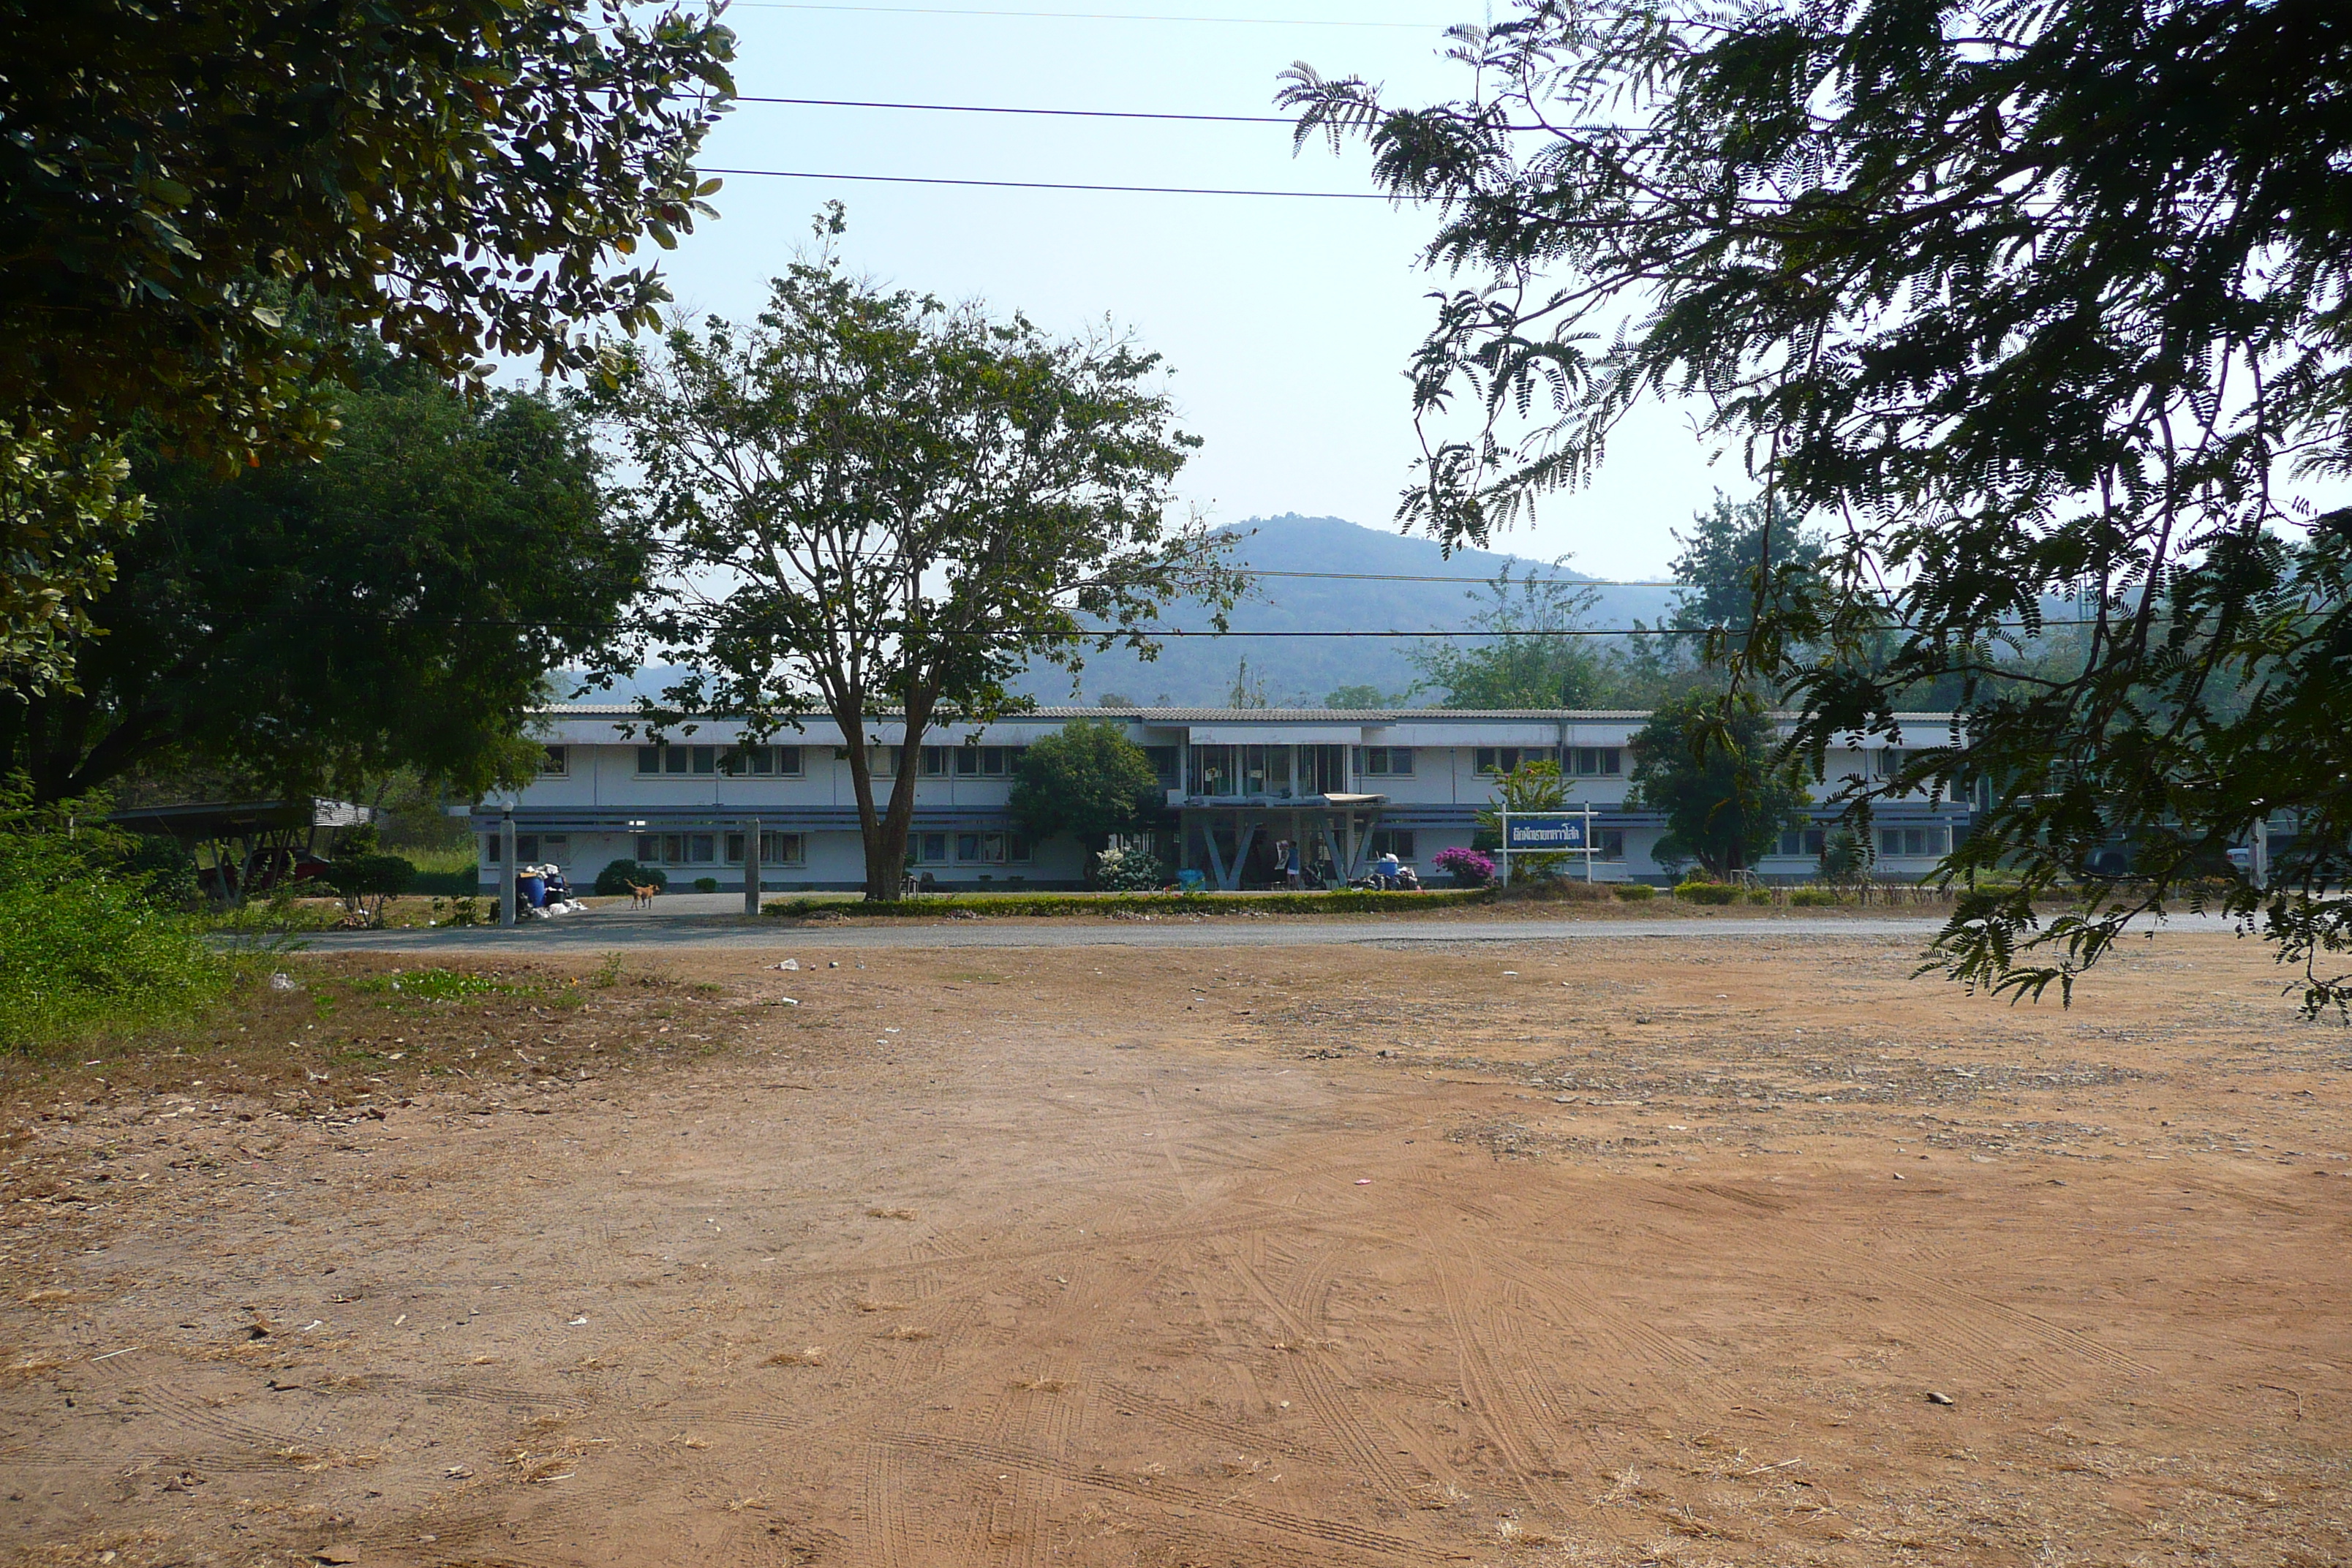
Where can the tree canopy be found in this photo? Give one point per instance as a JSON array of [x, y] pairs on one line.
[[1088, 780], [2030, 303], [307, 627], [1713, 767], [881, 508], [1532, 656], [459, 181]]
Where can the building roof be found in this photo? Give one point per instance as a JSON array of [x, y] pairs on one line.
[[1238, 715]]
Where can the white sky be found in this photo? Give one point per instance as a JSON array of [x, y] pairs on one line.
[[1288, 323]]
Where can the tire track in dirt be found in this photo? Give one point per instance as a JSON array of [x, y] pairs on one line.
[[1162, 1492], [1334, 1407], [1500, 1401]]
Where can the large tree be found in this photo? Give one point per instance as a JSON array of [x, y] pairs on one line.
[[456, 180], [880, 507], [2027, 301], [1088, 780], [399, 604], [1713, 767]]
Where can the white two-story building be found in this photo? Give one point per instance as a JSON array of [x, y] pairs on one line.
[[1346, 785]]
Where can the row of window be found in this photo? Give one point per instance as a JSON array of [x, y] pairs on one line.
[[1576, 761], [705, 849], [1001, 762], [970, 848], [1892, 841], [736, 762]]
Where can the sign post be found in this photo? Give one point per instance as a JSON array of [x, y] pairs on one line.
[[1548, 833]]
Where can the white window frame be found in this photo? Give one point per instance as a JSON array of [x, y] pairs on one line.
[[701, 762], [1380, 762], [777, 847], [556, 762], [1608, 761]]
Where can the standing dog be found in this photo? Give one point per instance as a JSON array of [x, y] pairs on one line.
[[641, 897]]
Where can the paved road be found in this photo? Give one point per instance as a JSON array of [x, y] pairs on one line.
[[604, 929]]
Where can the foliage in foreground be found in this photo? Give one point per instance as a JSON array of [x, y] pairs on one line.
[[2039, 303], [460, 181], [90, 937]]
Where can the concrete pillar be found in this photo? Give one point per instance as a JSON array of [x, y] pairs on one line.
[[506, 865], [751, 867]]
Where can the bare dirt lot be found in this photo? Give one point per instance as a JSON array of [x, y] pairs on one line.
[[1754, 1253]]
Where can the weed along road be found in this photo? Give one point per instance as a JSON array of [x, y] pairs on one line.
[[608, 927], [1606, 1251]]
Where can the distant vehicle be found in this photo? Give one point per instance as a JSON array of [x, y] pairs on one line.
[[2241, 859]]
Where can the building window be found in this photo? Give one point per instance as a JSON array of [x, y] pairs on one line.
[[1912, 841], [1167, 764], [1214, 771], [1888, 762], [986, 762], [990, 848], [555, 762], [763, 761], [1595, 762], [935, 761], [929, 848], [669, 759], [677, 849], [1804, 841], [1384, 761], [1610, 842], [775, 849], [1396, 841], [1498, 759], [531, 849]]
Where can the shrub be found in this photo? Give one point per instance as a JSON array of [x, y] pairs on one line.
[[1636, 892], [1696, 892], [88, 939], [1129, 871], [1813, 898], [365, 881], [706, 884], [1466, 867], [613, 881]]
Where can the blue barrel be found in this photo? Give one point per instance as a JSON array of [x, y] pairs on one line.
[[533, 890]]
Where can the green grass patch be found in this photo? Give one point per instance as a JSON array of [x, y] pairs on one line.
[[1349, 901]]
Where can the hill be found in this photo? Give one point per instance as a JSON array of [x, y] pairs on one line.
[[1353, 590]]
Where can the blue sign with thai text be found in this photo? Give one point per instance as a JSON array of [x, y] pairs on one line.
[[1538, 834]]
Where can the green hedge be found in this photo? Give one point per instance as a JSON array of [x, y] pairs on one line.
[[1636, 892], [1707, 892], [1347, 902]]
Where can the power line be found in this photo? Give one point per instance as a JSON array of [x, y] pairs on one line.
[[1077, 15], [992, 108], [1058, 186]]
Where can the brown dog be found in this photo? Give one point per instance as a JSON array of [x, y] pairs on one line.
[[642, 897]]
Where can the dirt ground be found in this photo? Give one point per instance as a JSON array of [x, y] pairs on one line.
[[1764, 1253]]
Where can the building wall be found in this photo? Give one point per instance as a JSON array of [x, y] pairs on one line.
[[601, 802]]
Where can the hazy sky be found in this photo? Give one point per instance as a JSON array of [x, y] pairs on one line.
[[1288, 323]]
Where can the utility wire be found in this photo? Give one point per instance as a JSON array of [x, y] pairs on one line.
[[1059, 185], [992, 108], [1077, 16], [1077, 113]]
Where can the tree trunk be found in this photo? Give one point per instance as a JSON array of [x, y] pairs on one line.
[[884, 833]]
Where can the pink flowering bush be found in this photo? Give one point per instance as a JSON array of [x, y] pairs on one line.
[[1466, 867]]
